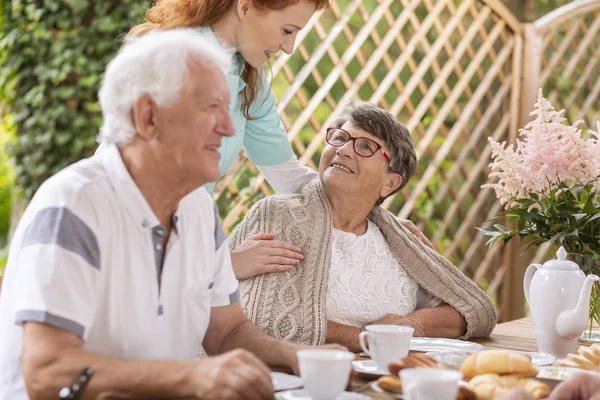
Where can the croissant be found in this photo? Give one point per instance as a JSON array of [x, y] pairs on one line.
[[587, 358], [414, 361], [490, 386], [497, 362]]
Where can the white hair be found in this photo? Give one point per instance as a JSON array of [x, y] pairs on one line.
[[156, 65]]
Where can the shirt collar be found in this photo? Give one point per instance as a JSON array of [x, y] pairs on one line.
[[234, 80], [125, 188]]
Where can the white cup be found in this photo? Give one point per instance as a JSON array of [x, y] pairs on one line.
[[387, 343], [325, 373], [429, 383]]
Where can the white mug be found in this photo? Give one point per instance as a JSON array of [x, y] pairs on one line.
[[325, 373], [429, 383], [387, 343]]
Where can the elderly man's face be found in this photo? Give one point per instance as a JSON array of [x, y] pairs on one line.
[[191, 129], [342, 169]]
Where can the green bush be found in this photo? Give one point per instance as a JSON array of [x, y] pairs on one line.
[[52, 56], [7, 179]]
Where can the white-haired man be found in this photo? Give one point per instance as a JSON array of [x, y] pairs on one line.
[[120, 263]]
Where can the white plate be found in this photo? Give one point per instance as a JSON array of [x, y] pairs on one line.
[[303, 395], [367, 367], [282, 381], [556, 373], [376, 388], [437, 344], [538, 359]]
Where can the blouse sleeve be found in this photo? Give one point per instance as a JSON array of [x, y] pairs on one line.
[[426, 299], [265, 141]]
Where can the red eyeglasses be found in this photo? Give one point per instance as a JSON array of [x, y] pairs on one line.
[[362, 146]]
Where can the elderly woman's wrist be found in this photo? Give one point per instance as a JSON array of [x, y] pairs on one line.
[[420, 329]]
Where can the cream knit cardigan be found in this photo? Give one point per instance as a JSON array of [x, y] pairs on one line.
[[291, 305]]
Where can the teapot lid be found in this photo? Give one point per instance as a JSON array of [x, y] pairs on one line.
[[561, 263]]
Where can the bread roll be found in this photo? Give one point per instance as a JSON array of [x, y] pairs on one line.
[[417, 360], [587, 358], [498, 362], [390, 383], [490, 386]]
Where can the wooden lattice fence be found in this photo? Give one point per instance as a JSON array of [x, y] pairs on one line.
[[455, 72]]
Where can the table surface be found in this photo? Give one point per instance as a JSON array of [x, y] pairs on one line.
[[513, 335]]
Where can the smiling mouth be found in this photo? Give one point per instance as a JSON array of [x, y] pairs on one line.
[[343, 168]]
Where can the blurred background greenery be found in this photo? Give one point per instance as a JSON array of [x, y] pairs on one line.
[[52, 55]]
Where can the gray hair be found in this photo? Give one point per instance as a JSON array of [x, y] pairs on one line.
[[155, 65], [383, 125]]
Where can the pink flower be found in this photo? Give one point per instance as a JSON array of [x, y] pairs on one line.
[[546, 153]]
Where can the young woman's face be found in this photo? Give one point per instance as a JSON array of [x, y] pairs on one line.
[[263, 33]]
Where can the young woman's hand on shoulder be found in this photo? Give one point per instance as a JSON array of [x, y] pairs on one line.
[[261, 253]]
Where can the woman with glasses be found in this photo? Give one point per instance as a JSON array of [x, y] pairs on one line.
[[361, 266]]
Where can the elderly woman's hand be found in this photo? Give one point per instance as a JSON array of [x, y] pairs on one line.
[[260, 254], [408, 224]]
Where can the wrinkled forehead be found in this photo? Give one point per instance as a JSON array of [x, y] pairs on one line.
[[207, 81]]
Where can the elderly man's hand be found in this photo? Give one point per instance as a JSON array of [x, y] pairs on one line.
[[237, 374], [579, 386], [394, 319], [260, 254], [408, 224]]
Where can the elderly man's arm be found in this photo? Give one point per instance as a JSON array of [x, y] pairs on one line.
[[229, 329], [442, 321], [52, 357]]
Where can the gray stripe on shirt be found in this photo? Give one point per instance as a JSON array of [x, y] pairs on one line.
[[50, 319], [58, 225], [219, 232], [235, 296]]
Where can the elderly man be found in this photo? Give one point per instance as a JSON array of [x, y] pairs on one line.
[[120, 263]]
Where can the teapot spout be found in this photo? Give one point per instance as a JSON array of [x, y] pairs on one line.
[[571, 323]]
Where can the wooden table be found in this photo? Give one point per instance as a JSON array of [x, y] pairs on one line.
[[513, 335]]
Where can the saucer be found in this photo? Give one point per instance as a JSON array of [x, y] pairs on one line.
[[440, 345], [538, 359], [368, 367], [303, 395], [282, 381]]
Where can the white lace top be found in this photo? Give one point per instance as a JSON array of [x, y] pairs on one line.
[[366, 282]]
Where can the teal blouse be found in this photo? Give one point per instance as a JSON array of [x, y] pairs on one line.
[[264, 138]]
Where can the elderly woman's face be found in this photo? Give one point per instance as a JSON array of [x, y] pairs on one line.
[[341, 168]]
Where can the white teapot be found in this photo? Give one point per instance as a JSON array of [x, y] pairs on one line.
[[558, 294]]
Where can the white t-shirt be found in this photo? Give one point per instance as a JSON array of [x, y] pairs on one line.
[[87, 258], [366, 282]]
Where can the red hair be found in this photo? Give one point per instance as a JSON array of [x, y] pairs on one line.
[[171, 14]]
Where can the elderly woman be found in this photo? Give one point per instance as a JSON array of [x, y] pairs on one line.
[[360, 266]]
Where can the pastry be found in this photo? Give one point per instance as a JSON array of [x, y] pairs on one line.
[[464, 393], [498, 362], [585, 358], [417, 360], [390, 383], [490, 386]]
